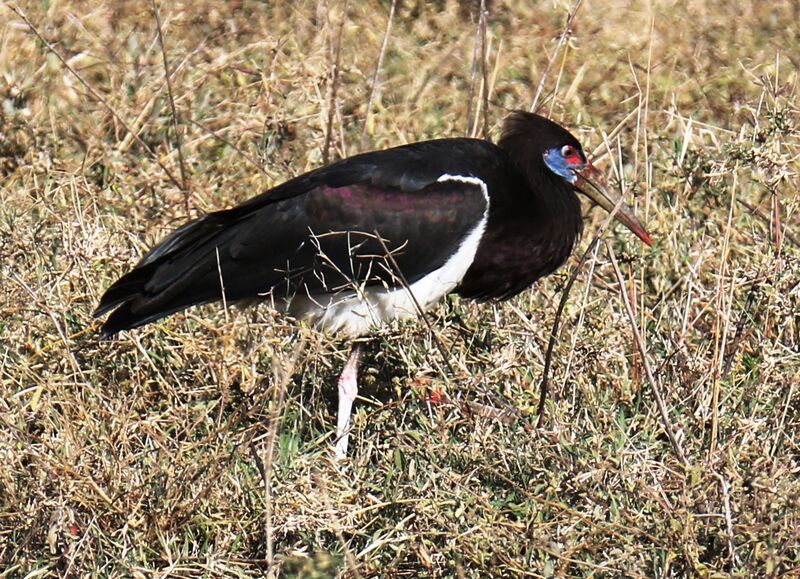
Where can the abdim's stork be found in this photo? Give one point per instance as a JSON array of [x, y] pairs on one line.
[[380, 236]]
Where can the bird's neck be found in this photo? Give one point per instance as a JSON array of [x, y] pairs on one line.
[[554, 211], [533, 225], [557, 207]]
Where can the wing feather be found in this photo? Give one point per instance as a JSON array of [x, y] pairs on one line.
[[314, 234]]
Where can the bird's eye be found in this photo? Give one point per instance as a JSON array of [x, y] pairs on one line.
[[569, 152], [565, 161]]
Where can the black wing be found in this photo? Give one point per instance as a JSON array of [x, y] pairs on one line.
[[316, 234]]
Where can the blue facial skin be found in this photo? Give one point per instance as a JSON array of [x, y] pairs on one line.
[[555, 161]]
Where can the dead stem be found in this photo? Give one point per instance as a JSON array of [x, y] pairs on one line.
[[334, 84], [662, 408], [187, 195], [373, 85], [95, 95], [562, 39]]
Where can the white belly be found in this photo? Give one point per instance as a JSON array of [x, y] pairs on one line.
[[357, 312]]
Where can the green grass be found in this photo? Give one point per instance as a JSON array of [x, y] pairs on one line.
[[148, 455]]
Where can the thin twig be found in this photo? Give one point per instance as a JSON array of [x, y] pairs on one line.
[[334, 86], [181, 163], [483, 22], [396, 268], [561, 41], [722, 318], [471, 95], [221, 285], [552, 98], [604, 148], [477, 60], [45, 306], [283, 373], [760, 214], [548, 357], [374, 82], [777, 229], [232, 145], [726, 502], [266, 85], [543, 385], [737, 336], [662, 407], [146, 110], [95, 95]]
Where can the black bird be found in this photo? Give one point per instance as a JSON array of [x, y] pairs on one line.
[[379, 236]]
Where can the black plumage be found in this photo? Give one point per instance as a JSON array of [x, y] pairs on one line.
[[314, 233], [463, 215]]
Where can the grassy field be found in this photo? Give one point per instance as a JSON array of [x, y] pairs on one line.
[[201, 445]]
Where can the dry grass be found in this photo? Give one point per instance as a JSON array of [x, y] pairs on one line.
[[147, 455]]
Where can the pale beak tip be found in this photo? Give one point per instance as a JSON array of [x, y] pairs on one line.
[[599, 192]]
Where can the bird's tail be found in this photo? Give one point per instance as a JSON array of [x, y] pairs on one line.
[[178, 273]]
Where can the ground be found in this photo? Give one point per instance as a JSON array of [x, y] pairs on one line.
[[201, 444]]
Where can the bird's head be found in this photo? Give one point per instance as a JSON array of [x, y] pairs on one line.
[[563, 156]]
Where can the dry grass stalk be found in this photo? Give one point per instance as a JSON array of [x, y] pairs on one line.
[[94, 93], [282, 377], [373, 85], [480, 55], [146, 455], [422, 314], [662, 407], [562, 40], [186, 185], [333, 103]]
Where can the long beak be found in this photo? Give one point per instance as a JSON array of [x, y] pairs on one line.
[[591, 183]]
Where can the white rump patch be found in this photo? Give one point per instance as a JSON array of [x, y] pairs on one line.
[[356, 313]]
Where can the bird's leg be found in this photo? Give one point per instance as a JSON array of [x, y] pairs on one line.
[[348, 390]]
